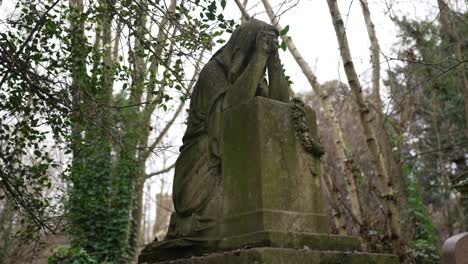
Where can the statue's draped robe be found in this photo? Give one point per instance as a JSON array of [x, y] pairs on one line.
[[197, 178], [198, 166], [197, 186]]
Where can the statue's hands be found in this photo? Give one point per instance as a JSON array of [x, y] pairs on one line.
[[274, 59], [267, 40]]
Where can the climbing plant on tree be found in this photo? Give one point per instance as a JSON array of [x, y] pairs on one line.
[[120, 91], [92, 74]]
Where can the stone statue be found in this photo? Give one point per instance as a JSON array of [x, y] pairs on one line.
[[233, 76], [247, 181]]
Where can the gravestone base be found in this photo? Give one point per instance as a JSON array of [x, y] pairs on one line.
[[295, 240], [285, 255], [181, 248], [273, 210]]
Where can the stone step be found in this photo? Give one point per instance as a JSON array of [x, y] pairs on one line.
[[181, 248], [286, 256]]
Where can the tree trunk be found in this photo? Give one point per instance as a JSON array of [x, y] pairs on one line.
[[394, 169], [331, 191], [383, 179], [6, 226], [347, 165]]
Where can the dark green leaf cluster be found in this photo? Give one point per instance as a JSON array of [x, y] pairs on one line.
[[71, 255], [34, 107], [118, 95], [423, 240]]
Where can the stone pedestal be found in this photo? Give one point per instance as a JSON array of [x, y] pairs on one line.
[[269, 181], [272, 196], [287, 256], [271, 185]]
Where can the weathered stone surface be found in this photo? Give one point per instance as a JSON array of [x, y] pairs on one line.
[[455, 249], [248, 175], [272, 239], [269, 181], [287, 256], [233, 76], [176, 249], [296, 240], [271, 185]]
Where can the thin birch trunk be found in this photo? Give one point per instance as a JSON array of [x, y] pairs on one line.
[[375, 54], [146, 113], [331, 194], [144, 225], [348, 167], [136, 131], [244, 5], [383, 139], [405, 113], [383, 179], [244, 13]]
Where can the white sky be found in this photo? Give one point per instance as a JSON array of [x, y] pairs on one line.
[[312, 31]]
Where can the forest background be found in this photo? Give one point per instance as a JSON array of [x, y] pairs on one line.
[[93, 99]]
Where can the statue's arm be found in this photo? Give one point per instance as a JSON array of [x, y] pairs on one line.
[[245, 86], [278, 84]]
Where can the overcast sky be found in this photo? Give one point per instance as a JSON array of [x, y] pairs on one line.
[[312, 31]]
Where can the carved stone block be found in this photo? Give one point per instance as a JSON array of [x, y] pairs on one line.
[[269, 181]]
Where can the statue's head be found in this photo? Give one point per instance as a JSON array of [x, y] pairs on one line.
[[240, 48], [245, 36]]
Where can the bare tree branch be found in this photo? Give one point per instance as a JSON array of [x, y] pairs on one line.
[[167, 169]]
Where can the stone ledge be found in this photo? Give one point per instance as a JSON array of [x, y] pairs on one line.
[[182, 248], [269, 219], [275, 239], [286, 256]]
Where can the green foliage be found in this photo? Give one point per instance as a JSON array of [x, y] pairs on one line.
[[283, 45], [284, 31], [437, 128], [107, 175], [435, 76], [71, 255], [33, 110], [423, 236], [433, 141], [57, 85]]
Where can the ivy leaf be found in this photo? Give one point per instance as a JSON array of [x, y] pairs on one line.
[[212, 7], [284, 31], [223, 3], [283, 45], [210, 16]]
